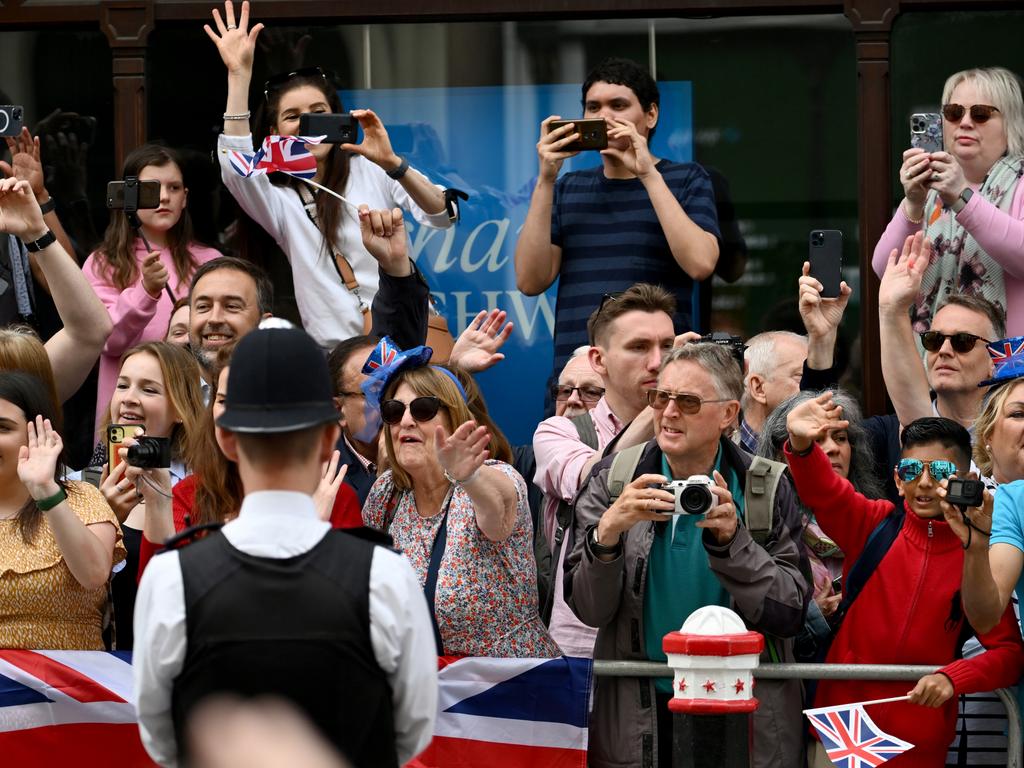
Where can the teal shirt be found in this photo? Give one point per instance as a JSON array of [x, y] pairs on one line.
[[679, 578]]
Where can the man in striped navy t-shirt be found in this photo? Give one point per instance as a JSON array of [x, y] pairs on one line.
[[634, 219]]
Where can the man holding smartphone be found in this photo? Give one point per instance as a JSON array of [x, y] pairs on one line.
[[636, 218]]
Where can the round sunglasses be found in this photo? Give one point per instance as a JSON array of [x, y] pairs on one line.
[[421, 409], [960, 342], [980, 113], [909, 470]]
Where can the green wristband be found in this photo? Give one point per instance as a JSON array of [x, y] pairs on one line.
[[45, 505]]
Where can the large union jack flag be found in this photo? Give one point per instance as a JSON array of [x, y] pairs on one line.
[[851, 739], [287, 154]]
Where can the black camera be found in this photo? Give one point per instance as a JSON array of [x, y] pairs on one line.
[[150, 453], [733, 343], [965, 493], [11, 119]]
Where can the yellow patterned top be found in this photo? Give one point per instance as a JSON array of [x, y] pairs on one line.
[[42, 606]]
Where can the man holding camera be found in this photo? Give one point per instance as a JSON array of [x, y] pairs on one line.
[[638, 567], [635, 218]]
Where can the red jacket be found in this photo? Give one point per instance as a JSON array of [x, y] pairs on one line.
[[346, 513], [908, 612]]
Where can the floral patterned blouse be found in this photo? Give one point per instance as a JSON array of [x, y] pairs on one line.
[[486, 599]]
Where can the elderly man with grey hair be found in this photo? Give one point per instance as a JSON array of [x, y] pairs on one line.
[[636, 570], [774, 363]]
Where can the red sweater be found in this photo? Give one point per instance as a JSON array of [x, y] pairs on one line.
[[907, 613], [346, 513]]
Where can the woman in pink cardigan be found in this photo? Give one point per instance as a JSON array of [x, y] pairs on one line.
[[968, 199], [139, 288]]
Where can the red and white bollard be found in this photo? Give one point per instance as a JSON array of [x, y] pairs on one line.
[[714, 657]]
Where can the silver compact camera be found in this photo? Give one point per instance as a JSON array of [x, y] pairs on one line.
[[693, 495]]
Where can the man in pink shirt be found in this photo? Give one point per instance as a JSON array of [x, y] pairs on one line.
[[630, 333]]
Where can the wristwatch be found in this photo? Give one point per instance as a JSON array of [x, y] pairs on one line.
[[399, 172], [600, 549], [960, 202], [37, 245]]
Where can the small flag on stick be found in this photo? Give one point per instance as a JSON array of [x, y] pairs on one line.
[[851, 739]]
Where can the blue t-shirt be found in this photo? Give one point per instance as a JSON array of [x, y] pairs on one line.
[[1008, 528], [611, 238]]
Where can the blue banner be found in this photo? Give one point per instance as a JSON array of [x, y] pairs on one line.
[[483, 141]]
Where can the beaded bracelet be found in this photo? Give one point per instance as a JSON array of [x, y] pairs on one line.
[[241, 116]]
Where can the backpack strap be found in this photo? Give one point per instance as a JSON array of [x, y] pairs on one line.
[[622, 470], [875, 549], [759, 488], [585, 429], [564, 514]]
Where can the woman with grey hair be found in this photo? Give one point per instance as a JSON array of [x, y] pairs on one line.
[[849, 452], [967, 199]]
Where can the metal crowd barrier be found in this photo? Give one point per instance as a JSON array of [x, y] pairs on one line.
[[831, 672]]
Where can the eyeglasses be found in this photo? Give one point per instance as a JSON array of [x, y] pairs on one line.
[[910, 469], [606, 298], [562, 392], [685, 402], [274, 82], [421, 409], [980, 113], [960, 342]]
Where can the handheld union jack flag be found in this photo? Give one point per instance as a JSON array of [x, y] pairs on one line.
[[1007, 358], [851, 739], [286, 154]]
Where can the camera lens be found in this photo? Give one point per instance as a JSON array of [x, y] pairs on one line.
[[695, 500], [817, 238], [150, 453]]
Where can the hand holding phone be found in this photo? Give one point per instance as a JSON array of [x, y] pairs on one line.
[[12, 118], [826, 258], [336, 128], [926, 131], [593, 134]]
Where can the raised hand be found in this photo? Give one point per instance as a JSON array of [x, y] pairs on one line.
[[947, 176], [236, 44], [25, 164], [901, 281], [637, 157], [551, 151], [376, 144], [462, 454], [477, 347], [37, 460], [821, 316], [154, 274], [19, 211], [383, 234], [813, 419], [915, 175], [327, 490]]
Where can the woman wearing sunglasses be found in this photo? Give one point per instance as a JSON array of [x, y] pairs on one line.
[[335, 276], [460, 517], [967, 199]]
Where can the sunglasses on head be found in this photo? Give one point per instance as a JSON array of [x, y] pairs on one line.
[[909, 470], [588, 394], [421, 409], [980, 113], [689, 404], [960, 342], [274, 82]]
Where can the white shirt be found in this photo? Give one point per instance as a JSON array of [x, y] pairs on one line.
[[282, 524], [330, 313]]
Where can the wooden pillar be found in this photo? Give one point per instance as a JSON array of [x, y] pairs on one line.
[[127, 24], [872, 25]]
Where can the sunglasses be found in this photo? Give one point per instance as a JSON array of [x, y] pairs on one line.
[[960, 342], [980, 113], [687, 403], [562, 392], [909, 470], [421, 409], [274, 82]]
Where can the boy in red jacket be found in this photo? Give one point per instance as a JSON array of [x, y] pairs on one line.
[[909, 611]]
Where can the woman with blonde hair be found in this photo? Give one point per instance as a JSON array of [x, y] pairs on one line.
[[967, 198]]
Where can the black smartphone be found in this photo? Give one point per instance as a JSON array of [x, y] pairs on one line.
[[149, 194], [926, 131], [826, 258], [335, 128], [837, 584], [12, 118], [593, 133]]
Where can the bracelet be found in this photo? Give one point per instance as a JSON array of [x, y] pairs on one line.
[[907, 216], [48, 207], [399, 172], [448, 476], [45, 505], [240, 116], [47, 239]]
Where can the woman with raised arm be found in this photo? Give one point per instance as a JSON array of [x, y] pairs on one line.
[[319, 234]]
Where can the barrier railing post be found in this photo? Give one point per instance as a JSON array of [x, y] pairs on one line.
[[714, 657]]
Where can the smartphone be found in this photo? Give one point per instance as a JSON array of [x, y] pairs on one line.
[[837, 584], [926, 131], [12, 118], [334, 127], [593, 133], [149, 194], [116, 434], [826, 258]]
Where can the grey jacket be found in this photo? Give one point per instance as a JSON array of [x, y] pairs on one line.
[[768, 589]]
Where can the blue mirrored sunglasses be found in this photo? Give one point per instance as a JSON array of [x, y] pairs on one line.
[[909, 470]]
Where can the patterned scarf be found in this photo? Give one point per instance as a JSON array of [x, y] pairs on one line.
[[959, 265]]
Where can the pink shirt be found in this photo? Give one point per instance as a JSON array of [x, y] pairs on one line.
[[560, 456], [136, 315], [1001, 236]]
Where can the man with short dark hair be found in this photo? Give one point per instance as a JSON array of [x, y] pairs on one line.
[[275, 603], [636, 218]]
